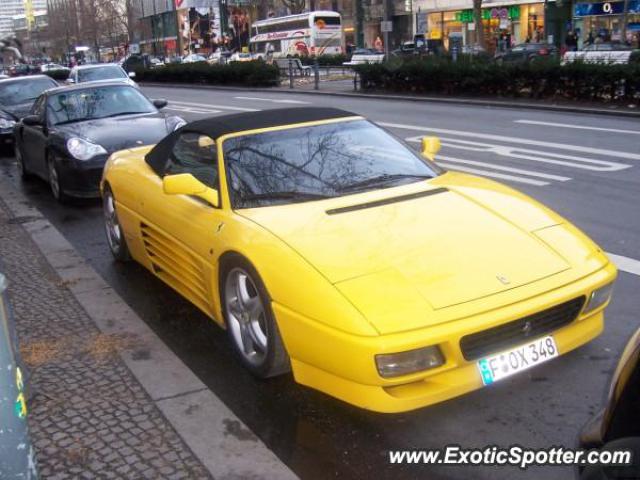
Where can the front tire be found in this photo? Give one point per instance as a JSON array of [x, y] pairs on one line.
[[250, 322], [54, 182], [22, 170], [113, 229]]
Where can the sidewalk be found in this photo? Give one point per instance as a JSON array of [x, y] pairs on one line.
[[88, 416], [108, 398]]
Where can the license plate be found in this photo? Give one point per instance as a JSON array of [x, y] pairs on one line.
[[507, 363]]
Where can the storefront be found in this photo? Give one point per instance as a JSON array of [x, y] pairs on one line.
[[503, 24], [604, 20]]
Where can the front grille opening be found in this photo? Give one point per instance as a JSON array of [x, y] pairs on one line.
[[493, 340]]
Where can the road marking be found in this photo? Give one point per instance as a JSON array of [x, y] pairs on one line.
[[502, 168], [523, 141], [625, 264], [178, 108], [208, 105], [486, 173], [579, 127], [532, 155], [260, 99]]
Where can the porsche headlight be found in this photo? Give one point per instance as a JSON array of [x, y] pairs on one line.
[[83, 149], [6, 123], [599, 297], [396, 364]]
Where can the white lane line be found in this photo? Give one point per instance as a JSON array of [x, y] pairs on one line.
[[260, 99], [523, 141], [625, 264], [502, 168], [578, 127], [531, 155], [486, 173], [178, 108], [208, 105]]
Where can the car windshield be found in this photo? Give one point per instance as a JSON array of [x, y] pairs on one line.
[[101, 73], [23, 91], [315, 162], [91, 103]]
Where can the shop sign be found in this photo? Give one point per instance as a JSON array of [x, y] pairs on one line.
[[604, 8], [506, 13]]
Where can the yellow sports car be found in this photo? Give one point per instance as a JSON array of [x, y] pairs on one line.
[[326, 246]]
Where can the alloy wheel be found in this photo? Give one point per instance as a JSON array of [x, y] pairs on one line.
[[112, 226], [54, 181]]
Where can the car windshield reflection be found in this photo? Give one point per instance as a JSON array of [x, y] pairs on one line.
[[323, 161]]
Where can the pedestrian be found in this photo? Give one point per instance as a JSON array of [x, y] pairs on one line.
[[378, 44], [590, 38], [571, 41]]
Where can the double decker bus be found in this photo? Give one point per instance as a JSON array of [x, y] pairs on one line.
[[306, 34]]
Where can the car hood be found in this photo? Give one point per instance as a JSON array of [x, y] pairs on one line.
[[440, 246], [118, 133], [17, 111]]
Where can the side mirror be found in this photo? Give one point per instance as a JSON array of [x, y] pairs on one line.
[[160, 103], [187, 184], [430, 147], [132, 74], [31, 120]]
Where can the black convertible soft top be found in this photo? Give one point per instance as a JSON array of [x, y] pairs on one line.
[[215, 127]]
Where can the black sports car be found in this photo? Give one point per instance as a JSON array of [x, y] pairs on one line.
[[16, 99], [71, 132]]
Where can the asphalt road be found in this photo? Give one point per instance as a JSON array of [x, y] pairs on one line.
[[585, 167]]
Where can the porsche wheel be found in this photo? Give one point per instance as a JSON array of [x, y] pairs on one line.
[[22, 170], [250, 322], [115, 234], [54, 182]]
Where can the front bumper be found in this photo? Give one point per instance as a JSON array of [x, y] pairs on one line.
[[342, 365], [81, 178]]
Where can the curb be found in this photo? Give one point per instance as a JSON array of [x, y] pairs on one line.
[[377, 96], [198, 416]]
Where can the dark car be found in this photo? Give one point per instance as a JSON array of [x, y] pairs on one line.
[[71, 132], [16, 452], [527, 52], [617, 426], [16, 99]]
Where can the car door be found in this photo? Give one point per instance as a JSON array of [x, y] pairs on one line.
[[179, 234], [34, 139]]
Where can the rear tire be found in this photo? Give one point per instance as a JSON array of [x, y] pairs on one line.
[[251, 326], [115, 234]]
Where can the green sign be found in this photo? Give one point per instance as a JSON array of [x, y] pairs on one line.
[[511, 13]]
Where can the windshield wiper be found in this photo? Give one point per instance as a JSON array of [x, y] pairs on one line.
[[381, 180], [285, 196], [120, 113]]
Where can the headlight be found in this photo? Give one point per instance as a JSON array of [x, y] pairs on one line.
[[82, 149], [396, 364], [6, 123], [599, 297]]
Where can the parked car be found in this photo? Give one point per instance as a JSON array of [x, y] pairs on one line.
[[406, 49], [100, 72], [617, 425], [193, 58], [17, 458], [16, 99], [155, 62], [343, 255], [72, 130], [526, 53], [135, 61], [220, 56], [608, 53], [48, 67], [365, 55], [241, 57]]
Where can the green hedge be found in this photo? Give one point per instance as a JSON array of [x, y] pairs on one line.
[[255, 74], [325, 60], [544, 79]]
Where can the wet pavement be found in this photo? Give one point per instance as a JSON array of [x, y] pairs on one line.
[[320, 437]]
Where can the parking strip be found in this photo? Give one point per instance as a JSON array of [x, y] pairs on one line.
[[219, 440]]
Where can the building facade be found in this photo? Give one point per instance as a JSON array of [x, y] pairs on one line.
[[12, 8]]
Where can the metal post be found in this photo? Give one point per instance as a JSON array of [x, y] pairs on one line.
[[385, 34], [454, 53], [355, 81], [290, 73], [316, 74]]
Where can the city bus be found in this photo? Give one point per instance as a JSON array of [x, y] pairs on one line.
[[306, 34]]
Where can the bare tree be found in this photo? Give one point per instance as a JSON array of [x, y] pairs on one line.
[[295, 6], [477, 19]]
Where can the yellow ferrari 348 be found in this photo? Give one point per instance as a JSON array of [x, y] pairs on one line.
[[326, 246]]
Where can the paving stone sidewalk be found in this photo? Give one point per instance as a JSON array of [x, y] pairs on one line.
[[89, 417]]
